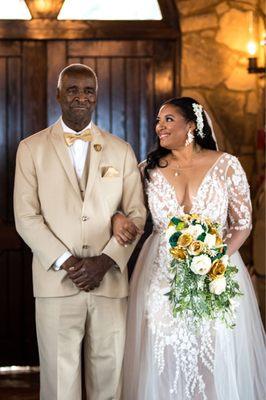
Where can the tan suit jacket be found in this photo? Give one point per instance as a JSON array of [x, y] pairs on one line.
[[52, 218]]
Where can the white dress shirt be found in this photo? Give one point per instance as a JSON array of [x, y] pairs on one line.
[[77, 153], [78, 150]]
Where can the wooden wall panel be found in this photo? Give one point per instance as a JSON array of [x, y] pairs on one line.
[[56, 61], [13, 129], [132, 103], [10, 48], [3, 202], [90, 61], [10, 126], [3, 139], [23, 111], [122, 48], [164, 68], [103, 110], [147, 117], [34, 87], [118, 101], [74, 60]]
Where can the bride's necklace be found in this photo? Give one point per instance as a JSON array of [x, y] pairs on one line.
[[178, 168]]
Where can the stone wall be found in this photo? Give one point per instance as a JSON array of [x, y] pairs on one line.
[[214, 71]]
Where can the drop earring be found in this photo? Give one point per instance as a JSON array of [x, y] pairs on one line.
[[190, 138]]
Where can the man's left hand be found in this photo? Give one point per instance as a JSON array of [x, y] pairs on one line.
[[88, 273]]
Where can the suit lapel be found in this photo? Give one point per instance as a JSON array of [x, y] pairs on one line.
[[60, 147], [96, 149]]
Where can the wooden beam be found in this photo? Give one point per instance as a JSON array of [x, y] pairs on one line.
[[54, 29], [170, 13], [10, 48]]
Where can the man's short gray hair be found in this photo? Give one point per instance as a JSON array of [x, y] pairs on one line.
[[76, 68]]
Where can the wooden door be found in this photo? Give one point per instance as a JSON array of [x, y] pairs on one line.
[[134, 77], [22, 111]]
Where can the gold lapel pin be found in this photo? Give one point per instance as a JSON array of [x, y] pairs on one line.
[[97, 147]]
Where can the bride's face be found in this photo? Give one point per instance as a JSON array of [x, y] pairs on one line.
[[171, 127]]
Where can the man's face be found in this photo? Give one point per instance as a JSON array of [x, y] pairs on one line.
[[77, 98]]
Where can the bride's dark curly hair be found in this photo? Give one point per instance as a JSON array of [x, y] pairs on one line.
[[184, 106]]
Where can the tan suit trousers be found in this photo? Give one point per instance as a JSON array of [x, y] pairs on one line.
[[63, 325]]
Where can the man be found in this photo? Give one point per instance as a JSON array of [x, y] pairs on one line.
[[70, 179]]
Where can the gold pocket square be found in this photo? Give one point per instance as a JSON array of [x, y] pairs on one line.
[[110, 172]]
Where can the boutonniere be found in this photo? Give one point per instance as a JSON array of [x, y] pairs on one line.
[[97, 147]]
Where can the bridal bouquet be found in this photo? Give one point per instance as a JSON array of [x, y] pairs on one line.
[[202, 277]]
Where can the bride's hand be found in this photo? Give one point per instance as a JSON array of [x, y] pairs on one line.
[[124, 230]]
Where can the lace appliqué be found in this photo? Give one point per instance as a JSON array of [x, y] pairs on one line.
[[239, 196]]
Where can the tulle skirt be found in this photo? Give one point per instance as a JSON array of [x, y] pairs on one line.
[[238, 370]]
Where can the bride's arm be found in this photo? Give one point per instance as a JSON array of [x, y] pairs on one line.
[[239, 207]]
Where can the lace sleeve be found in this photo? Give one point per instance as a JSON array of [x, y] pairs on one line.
[[141, 167], [239, 212], [239, 207]]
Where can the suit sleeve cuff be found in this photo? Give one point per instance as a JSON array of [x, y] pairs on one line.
[[119, 253], [60, 261]]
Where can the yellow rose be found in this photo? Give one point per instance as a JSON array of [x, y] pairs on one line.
[[196, 248], [178, 253], [185, 239], [217, 269], [219, 240], [213, 231]]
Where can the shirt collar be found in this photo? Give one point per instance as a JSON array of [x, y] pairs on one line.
[[66, 129]]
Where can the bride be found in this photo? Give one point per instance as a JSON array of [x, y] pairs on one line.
[[164, 357]]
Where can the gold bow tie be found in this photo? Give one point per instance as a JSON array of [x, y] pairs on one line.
[[70, 138]]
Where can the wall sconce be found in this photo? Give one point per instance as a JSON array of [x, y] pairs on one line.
[[252, 48]]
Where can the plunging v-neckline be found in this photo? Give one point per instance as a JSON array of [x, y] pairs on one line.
[[199, 187]]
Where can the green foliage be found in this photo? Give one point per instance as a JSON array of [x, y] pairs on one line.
[[175, 220], [202, 236], [190, 295], [174, 238]]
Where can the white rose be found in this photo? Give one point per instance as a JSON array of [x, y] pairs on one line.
[[195, 230], [225, 260], [170, 231], [210, 240], [218, 286], [201, 265]]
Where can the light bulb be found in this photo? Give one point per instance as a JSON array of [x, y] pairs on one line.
[[252, 47]]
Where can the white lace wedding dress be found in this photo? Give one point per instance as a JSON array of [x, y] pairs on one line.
[[164, 359]]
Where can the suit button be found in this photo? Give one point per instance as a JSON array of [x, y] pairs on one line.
[[85, 246], [84, 218]]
